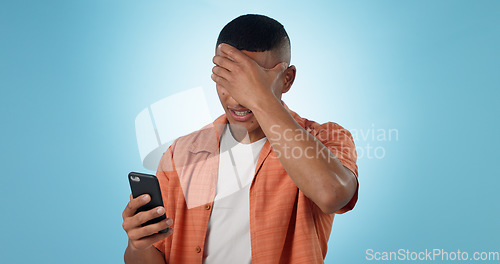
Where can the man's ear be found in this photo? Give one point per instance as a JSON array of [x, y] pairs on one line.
[[289, 78]]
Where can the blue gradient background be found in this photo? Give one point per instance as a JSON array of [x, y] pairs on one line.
[[74, 75]]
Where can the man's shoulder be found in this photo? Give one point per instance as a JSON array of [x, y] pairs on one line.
[[316, 128], [178, 153], [203, 139]]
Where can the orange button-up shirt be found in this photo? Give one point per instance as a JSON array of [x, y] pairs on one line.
[[285, 225]]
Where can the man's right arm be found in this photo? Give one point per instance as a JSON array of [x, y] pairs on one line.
[[140, 247], [150, 255]]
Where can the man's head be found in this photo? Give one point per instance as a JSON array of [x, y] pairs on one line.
[[257, 33], [265, 41]]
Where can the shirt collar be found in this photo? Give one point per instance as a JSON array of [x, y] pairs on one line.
[[213, 132]]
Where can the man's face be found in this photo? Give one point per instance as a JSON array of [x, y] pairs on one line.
[[236, 113]]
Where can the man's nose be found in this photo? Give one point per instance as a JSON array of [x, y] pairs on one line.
[[234, 103]]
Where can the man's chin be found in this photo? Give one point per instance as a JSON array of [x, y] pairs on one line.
[[248, 125]]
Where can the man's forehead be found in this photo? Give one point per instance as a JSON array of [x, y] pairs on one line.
[[266, 59]]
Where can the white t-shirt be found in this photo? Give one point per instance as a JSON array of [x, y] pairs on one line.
[[228, 232]]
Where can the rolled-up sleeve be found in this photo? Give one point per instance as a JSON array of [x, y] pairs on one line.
[[340, 142]]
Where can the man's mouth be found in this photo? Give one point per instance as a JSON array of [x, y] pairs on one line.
[[241, 115]]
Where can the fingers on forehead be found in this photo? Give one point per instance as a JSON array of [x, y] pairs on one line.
[[230, 51], [223, 62]]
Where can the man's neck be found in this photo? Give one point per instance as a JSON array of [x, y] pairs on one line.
[[241, 135]]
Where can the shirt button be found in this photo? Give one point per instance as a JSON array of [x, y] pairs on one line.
[[207, 207], [197, 249]]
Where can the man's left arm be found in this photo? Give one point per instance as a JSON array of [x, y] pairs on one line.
[[314, 169], [322, 178]]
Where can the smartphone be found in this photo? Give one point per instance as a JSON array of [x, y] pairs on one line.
[[140, 184]]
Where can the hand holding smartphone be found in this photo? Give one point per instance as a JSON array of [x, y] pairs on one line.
[[144, 219], [140, 184]]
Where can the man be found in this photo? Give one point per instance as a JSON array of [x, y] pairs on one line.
[[260, 184]]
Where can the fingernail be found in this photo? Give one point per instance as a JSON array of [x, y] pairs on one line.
[[220, 45], [160, 210], [170, 221], [145, 198]]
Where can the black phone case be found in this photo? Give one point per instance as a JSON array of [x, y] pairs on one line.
[[140, 184]]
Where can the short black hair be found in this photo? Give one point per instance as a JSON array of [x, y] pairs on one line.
[[254, 33]]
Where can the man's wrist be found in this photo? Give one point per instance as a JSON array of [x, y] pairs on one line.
[[263, 106], [138, 250], [148, 255]]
